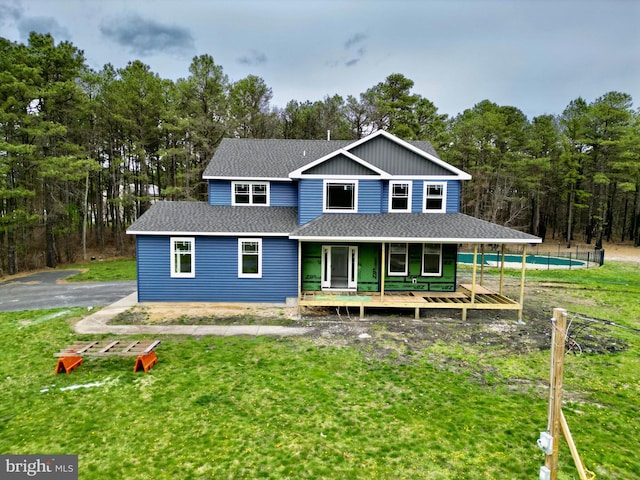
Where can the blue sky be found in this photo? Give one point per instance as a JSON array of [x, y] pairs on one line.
[[536, 55]]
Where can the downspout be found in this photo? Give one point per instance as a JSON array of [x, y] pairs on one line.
[[522, 277]]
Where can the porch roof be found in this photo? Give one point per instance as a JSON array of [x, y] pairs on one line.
[[403, 227], [200, 218]]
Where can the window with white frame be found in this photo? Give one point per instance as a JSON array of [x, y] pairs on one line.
[[399, 196], [250, 257], [250, 193], [340, 196], [431, 260], [398, 259], [435, 197], [183, 257]]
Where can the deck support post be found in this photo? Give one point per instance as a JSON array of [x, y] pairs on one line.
[[383, 262], [473, 274], [482, 264], [299, 279], [522, 279]]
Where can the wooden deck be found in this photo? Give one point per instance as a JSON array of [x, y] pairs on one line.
[[465, 298]]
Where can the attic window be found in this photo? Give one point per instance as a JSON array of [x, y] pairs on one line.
[[250, 193], [340, 196]]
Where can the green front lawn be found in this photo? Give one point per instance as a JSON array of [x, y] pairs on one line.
[[245, 407], [104, 270]]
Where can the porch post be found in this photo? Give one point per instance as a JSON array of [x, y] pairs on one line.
[[383, 262], [522, 278], [299, 278], [482, 265], [501, 269], [473, 274]]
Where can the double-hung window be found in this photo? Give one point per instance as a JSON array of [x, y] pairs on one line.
[[340, 196], [250, 193], [183, 257], [431, 260], [435, 197], [399, 196], [398, 259], [250, 257]]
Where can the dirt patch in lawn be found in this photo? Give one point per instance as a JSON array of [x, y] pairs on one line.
[[395, 331]]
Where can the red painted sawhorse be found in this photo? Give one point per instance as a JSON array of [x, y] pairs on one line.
[[70, 358]]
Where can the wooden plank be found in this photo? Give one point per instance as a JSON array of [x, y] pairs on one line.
[[109, 346], [152, 346], [480, 290], [87, 347], [129, 347], [439, 294]]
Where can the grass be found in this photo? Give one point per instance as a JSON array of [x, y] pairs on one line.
[[105, 270], [245, 407]]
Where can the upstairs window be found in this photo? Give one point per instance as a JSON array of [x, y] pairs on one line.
[[250, 193], [431, 260], [398, 259], [399, 196], [340, 196], [435, 195], [183, 258], [250, 258]]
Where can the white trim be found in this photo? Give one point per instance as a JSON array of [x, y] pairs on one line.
[[248, 179], [405, 272], [209, 234], [409, 195], [459, 174], [299, 173], [352, 268], [241, 241], [442, 240], [173, 252], [443, 208], [431, 274], [251, 193], [326, 209]]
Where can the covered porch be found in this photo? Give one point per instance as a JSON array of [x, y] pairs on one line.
[[467, 296]]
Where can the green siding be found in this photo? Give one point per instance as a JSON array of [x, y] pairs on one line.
[[445, 283], [369, 269]]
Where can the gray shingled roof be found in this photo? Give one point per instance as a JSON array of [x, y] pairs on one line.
[[433, 227], [203, 219], [274, 158], [199, 218], [268, 158]]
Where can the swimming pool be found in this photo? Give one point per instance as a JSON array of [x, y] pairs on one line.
[[493, 260]]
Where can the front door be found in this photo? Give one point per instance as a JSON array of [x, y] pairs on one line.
[[339, 267]]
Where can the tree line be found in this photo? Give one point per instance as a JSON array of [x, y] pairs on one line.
[[83, 153]]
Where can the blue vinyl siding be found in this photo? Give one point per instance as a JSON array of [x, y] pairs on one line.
[[369, 196], [281, 194], [384, 198], [309, 200], [453, 196], [219, 192], [216, 269], [284, 194]]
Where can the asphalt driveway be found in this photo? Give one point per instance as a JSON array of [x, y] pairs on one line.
[[44, 290]]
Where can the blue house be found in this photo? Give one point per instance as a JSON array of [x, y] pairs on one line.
[[372, 222]]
